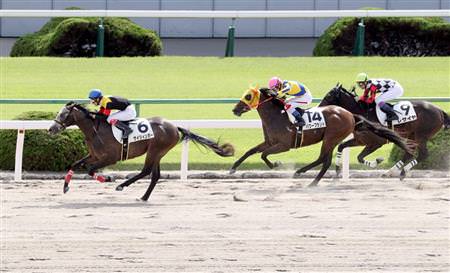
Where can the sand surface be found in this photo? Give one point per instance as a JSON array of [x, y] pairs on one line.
[[275, 225]]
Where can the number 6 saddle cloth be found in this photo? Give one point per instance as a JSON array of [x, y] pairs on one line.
[[404, 110], [142, 130]]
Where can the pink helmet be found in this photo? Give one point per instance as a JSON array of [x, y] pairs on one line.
[[274, 82]]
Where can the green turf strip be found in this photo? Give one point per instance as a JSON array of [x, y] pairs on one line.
[[209, 77]]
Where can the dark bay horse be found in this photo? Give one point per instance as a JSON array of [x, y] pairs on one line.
[[105, 150], [430, 119], [280, 135]]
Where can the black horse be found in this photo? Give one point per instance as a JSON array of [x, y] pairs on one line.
[[430, 119], [105, 150]]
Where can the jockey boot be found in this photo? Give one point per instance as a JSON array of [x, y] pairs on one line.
[[390, 113], [298, 117], [126, 131]]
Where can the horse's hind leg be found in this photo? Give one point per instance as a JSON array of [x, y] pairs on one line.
[[145, 171], [156, 174], [326, 154], [423, 151], [400, 165], [310, 166], [423, 154], [326, 164]]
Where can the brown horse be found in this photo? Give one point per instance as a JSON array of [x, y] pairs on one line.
[[280, 134], [105, 150], [430, 119]]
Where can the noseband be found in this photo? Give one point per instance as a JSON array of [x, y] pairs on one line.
[[62, 123]]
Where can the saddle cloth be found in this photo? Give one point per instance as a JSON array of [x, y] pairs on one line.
[[313, 118], [404, 110], [142, 130]]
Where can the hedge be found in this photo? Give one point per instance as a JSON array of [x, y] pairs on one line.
[[42, 152], [387, 36], [439, 153], [77, 37]]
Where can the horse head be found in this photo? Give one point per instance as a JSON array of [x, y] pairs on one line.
[[69, 115], [249, 100], [333, 97]]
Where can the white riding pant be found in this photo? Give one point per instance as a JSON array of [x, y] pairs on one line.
[[127, 114], [302, 102], [393, 93]]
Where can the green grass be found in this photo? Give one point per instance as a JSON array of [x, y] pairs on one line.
[[208, 77]]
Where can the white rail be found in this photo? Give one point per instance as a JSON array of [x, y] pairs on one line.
[[22, 125], [237, 14]]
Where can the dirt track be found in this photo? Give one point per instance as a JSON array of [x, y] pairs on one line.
[[360, 225]]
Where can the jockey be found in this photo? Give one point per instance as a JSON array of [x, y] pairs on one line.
[[299, 97], [388, 88], [108, 103]]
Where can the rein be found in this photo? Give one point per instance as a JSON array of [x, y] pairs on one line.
[[60, 123], [264, 101]]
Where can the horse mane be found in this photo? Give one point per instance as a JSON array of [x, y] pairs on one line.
[[348, 93], [276, 101], [81, 108]]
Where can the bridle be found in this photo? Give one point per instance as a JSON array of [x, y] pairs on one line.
[[264, 101], [62, 123]]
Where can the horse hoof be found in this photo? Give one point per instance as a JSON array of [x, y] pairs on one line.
[[277, 164], [65, 190], [379, 160], [109, 178], [142, 199], [297, 174], [313, 184], [232, 171], [119, 188]]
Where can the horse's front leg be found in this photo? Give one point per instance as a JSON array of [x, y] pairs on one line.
[[367, 151], [275, 149], [98, 165], [93, 167], [73, 167], [257, 149]]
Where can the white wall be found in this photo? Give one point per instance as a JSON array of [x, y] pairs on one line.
[[208, 28]]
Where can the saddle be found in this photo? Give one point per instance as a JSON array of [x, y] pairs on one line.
[[404, 111]]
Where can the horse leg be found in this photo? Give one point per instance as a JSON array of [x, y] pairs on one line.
[[309, 166], [423, 151], [148, 166], [156, 174], [400, 165], [145, 171], [257, 149], [70, 171], [275, 149], [91, 171], [326, 153], [423, 154], [367, 151], [98, 165], [326, 164]]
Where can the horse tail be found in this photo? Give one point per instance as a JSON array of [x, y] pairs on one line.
[[224, 150], [384, 133], [446, 120]]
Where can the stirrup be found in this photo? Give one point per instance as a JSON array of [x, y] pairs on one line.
[[126, 133]]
